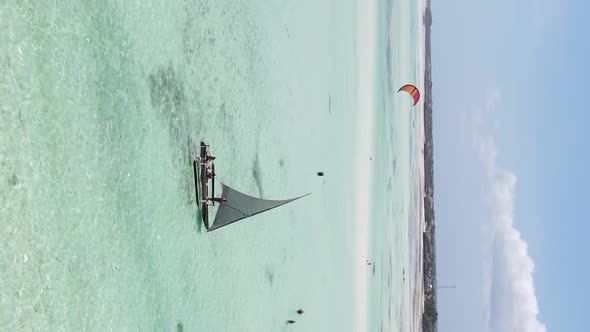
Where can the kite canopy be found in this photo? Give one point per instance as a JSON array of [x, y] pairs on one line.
[[412, 90]]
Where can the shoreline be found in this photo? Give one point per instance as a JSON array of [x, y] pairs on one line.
[[430, 313]]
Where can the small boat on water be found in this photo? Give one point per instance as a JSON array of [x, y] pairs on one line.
[[232, 205]]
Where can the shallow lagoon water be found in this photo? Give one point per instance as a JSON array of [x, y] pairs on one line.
[[98, 226]]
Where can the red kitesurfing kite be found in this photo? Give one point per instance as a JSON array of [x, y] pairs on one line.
[[412, 90]]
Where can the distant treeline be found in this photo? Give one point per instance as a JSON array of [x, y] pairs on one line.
[[430, 316]]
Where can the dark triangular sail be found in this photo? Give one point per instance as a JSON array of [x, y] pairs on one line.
[[234, 206]]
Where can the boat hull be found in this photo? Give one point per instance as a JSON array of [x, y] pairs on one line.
[[201, 185]]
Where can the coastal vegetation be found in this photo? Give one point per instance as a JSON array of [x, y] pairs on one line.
[[430, 315]]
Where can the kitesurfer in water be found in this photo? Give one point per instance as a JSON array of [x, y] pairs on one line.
[[290, 321], [320, 173], [300, 311]]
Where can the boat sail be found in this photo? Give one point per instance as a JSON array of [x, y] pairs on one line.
[[233, 205]]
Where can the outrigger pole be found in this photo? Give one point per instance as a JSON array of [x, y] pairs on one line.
[[201, 182], [213, 183], [196, 182]]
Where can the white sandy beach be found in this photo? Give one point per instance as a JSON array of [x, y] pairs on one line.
[[366, 74]]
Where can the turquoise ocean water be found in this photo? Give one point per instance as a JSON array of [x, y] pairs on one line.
[[396, 222], [98, 230]]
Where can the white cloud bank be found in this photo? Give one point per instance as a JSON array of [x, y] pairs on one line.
[[509, 294]]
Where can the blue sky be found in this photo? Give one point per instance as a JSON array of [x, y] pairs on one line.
[[511, 78]]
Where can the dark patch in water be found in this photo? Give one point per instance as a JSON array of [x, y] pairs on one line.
[[199, 222], [13, 180], [389, 313], [270, 276], [179, 327], [169, 101], [282, 162], [168, 97], [256, 174]]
